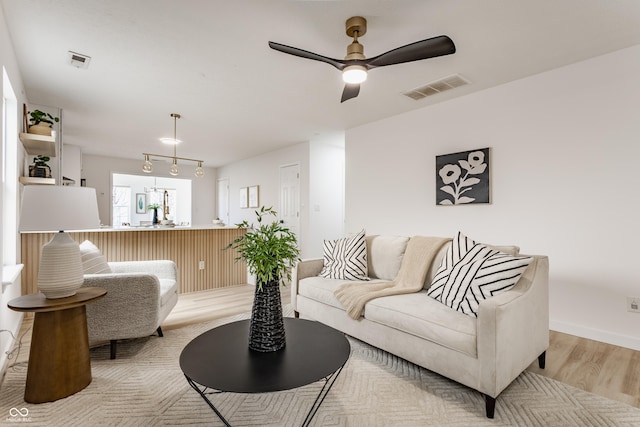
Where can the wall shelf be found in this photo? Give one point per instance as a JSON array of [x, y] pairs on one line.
[[28, 180], [39, 144]]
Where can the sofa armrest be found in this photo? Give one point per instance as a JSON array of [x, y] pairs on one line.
[[513, 328], [129, 310], [304, 268], [163, 269]]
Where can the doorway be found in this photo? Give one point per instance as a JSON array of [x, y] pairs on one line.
[[289, 211], [223, 200]]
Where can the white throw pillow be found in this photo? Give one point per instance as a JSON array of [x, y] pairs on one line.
[[345, 258], [93, 262], [384, 256], [472, 272]]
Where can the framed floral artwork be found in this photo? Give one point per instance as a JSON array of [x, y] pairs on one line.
[[463, 178]]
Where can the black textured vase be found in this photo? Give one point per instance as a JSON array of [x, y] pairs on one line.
[[266, 332]]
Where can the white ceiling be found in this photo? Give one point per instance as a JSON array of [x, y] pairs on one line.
[[209, 61]]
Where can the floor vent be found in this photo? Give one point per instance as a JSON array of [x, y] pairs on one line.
[[435, 87]]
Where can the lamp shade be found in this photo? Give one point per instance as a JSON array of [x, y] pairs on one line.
[[57, 208], [46, 208]]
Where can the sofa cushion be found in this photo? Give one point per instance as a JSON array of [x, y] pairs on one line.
[[93, 262], [471, 272], [384, 256], [435, 265], [422, 316], [321, 289], [345, 258]]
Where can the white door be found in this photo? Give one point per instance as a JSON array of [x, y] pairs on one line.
[[223, 200], [289, 212]]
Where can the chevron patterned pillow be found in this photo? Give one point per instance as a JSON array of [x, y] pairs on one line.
[[345, 258], [472, 272]]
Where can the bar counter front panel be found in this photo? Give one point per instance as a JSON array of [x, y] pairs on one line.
[[187, 247]]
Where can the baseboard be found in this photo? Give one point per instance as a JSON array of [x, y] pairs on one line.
[[596, 334]]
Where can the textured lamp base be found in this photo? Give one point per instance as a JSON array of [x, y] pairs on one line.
[[60, 274]]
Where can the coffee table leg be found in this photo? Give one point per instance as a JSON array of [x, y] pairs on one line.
[[329, 381], [206, 399]]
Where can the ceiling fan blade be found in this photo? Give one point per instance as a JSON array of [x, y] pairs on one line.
[[338, 63], [429, 48], [351, 90]]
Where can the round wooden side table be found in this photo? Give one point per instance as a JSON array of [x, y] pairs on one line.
[[59, 363]]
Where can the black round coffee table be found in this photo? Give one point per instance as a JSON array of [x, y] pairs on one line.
[[219, 360]]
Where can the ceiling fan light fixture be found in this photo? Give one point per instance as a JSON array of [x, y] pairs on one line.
[[170, 141], [355, 65], [354, 74]]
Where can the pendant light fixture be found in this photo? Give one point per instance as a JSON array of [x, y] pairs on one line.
[[147, 166]]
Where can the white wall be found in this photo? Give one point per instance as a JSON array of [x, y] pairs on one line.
[[97, 171], [326, 192], [72, 163], [264, 170], [321, 187], [565, 151]]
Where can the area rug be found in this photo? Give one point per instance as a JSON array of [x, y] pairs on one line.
[[144, 386]]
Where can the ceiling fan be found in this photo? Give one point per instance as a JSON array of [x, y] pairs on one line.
[[355, 65]]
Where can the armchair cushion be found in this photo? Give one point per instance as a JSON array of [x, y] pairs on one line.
[[168, 288]]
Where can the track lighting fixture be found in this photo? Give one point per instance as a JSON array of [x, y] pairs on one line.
[[147, 166]]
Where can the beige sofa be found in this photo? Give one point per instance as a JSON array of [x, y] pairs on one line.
[[485, 353]]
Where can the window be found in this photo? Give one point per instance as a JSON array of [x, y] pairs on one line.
[[121, 206], [8, 231], [156, 196], [178, 198]]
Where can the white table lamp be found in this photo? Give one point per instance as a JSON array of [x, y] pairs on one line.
[[58, 208]]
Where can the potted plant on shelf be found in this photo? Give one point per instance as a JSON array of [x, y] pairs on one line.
[[270, 251], [155, 208], [40, 122], [40, 168]]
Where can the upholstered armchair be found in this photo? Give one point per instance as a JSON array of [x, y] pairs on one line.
[[140, 295]]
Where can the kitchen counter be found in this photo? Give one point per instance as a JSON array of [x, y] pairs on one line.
[[198, 251]]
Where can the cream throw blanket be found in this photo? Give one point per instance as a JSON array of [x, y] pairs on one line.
[[413, 271]]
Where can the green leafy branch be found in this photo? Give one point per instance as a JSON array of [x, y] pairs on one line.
[[269, 249]]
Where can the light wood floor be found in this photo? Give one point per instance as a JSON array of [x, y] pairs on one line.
[[603, 369]]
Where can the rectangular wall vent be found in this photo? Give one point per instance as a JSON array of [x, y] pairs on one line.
[[79, 60], [435, 87]]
